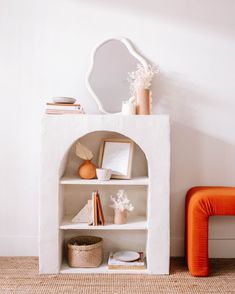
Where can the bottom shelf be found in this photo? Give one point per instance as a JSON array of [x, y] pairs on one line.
[[103, 269]]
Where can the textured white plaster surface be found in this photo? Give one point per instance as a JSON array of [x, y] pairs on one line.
[[151, 133]]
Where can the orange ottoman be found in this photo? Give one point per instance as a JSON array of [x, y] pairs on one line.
[[202, 202]]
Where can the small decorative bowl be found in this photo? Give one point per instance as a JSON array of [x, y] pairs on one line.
[[103, 174], [65, 100]]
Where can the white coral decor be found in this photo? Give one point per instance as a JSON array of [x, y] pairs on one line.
[[121, 201], [142, 77]]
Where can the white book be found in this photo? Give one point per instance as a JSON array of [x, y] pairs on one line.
[[66, 111], [89, 203], [63, 106]]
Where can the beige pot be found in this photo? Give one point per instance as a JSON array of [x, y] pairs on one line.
[[143, 101], [120, 217], [87, 170]]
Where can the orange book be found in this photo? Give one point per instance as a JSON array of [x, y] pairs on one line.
[[99, 209], [95, 221]]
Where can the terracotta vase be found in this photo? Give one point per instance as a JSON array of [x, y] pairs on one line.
[[87, 170], [120, 217], [143, 101]]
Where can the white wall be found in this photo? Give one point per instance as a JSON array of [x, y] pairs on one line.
[[45, 49]]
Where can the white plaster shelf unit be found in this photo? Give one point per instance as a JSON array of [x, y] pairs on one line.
[[63, 193]]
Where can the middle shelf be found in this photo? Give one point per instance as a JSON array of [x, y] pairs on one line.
[[135, 223]]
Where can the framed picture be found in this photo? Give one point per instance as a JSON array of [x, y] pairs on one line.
[[116, 154]]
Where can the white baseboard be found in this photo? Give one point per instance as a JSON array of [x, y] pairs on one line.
[[19, 246], [218, 248]]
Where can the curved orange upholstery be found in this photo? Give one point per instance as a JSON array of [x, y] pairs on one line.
[[202, 202]]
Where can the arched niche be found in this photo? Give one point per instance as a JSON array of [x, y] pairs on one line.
[[70, 162]]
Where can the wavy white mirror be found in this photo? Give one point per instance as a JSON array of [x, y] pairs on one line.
[[107, 77]]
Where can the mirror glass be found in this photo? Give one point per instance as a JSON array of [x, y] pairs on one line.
[[116, 157], [108, 78]]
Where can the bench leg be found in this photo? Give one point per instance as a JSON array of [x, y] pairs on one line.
[[196, 235], [197, 245]]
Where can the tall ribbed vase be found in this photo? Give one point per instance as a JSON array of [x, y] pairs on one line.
[[143, 101], [120, 217]]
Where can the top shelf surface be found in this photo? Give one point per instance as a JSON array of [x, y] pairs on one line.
[[138, 181]]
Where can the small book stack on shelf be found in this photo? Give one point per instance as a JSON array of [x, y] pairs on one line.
[[116, 264], [64, 108], [97, 216], [92, 212]]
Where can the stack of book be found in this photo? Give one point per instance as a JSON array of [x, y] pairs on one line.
[[115, 264], [91, 213], [97, 215], [63, 108]]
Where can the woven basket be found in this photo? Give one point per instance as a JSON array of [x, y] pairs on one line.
[[85, 251]]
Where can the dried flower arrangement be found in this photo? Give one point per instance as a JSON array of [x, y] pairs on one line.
[[121, 201], [142, 77]]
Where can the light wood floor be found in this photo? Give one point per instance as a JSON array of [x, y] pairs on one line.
[[20, 275]]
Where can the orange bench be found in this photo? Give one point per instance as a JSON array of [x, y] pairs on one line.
[[201, 203]]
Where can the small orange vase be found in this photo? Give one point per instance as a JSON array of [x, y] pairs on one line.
[[87, 170]]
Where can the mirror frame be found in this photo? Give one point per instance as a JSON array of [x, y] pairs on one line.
[[131, 50]]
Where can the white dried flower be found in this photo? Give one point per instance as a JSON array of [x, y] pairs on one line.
[[142, 77], [121, 201]]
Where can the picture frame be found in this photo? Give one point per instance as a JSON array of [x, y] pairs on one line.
[[117, 154]]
